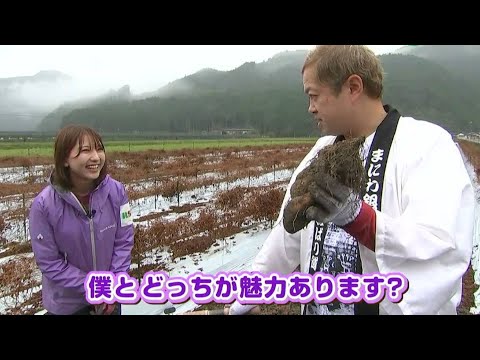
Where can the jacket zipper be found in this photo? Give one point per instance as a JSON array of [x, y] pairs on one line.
[[92, 240], [92, 235]]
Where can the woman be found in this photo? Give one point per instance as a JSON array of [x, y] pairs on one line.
[[76, 224]]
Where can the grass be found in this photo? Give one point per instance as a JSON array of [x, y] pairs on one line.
[[45, 148]]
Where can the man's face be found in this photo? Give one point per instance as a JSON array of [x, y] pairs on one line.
[[331, 112]]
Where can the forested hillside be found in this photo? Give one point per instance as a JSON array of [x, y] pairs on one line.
[[268, 97]]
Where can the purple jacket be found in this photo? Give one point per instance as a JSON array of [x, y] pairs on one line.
[[68, 244]]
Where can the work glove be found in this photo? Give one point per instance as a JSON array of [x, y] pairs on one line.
[[333, 202]]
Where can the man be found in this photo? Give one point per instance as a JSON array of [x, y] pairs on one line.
[[415, 216]]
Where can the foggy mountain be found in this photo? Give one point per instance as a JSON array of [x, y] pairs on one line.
[[41, 77], [436, 83], [264, 96], [27, 102], [427, 90], [279, 70], [461, 60], [268, 97], [53, 120]]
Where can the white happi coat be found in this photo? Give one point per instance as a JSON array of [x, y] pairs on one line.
[[424, 230]]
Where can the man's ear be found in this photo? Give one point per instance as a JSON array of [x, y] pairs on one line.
[[355, 85]]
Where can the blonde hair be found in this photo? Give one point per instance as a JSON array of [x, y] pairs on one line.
[[334, 64]]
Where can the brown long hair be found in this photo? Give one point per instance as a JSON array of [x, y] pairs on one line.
[[66, 139]]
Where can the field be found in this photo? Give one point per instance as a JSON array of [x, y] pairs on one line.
[[45, 148], [470, 286], [187, 196], [183, 202]]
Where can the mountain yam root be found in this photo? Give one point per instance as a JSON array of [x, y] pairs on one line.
[[341, 162]]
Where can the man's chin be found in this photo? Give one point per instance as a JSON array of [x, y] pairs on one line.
[[324, 130]]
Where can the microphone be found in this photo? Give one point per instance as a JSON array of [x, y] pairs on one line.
[[91, 214]]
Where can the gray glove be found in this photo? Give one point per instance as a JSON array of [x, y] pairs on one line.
[[334, 202]]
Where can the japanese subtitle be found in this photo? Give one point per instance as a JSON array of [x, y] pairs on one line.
[[244, 287]]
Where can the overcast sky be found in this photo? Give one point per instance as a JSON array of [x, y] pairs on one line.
[[143, 67]]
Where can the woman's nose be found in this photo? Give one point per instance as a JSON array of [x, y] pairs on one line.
[[94, 155]]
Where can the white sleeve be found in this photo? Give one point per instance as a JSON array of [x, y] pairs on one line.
[[280, 253], [431, 242]]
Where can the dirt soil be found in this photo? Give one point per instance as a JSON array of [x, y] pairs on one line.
[[340, 162]]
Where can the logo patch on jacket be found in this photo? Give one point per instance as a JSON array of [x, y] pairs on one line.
[[126, 215]]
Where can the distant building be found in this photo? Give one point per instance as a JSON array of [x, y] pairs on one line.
[[237, 131], [470, 136]]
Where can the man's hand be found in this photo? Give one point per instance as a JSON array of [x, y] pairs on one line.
[[241, 310], [108, 309], [334, 202], [103, 309]]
